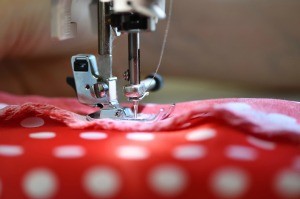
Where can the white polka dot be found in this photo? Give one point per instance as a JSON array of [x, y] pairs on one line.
[[42, 135], [287, 184], [140, 136], [102, 182], [40, 183], [93, 135], [2, 105], [32, 122], [11, 150], [261, 143], [277, 117], [236, 106], [229, 183], [69, 151], [263, 122], [132, 152], [168, 180], [241, 153], [201, 134], [151, 105], [189, 152]]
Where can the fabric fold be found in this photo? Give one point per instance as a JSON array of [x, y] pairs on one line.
[[263, 117]]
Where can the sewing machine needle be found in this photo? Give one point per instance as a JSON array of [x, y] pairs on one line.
[[135, 108]]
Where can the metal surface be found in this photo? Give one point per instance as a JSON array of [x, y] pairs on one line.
[[86, 75], [150, 8], [135, 91], [134, 58], [95, 83], [112, 113], [105, 36], [149, 83], [135, 108], [126, 114], [105, 65], [105, 39], [93, 90]]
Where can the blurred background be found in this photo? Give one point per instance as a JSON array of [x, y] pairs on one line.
[[215, 49]]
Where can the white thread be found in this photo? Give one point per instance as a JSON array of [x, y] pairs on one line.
[[164, 42]]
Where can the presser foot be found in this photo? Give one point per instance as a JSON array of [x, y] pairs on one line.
[[111, 113], [126, 114]]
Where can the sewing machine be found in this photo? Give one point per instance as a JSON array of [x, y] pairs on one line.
[[93, 80]]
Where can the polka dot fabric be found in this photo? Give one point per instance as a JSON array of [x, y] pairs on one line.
[[206, 156]]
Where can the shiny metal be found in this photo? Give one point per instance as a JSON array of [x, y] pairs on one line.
[[126, 114], [135, 108], [95, 83], [100, 90], [139, 90], [105, 65], [105, 36], [85, 81], [93, 90], [150, 8], [105, 39], [134, 58], [134, 91], [149, 83], [117, 113], [154, 10]]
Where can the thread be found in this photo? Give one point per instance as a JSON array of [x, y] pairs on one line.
[[164, 42]]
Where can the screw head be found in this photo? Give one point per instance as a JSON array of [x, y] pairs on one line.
[[126, 75], [118, 113]]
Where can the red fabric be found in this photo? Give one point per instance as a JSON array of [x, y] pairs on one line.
[[226, 148]]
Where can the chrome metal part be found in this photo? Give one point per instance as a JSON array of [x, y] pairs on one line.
[[105, 65], [135, 108], [126, 114], [91, 87], [95, 91], [113, 113], [150, 8], [105, 36], [105, 39], [134, 91], [86, 75], [100, 89], [134, 58], [95, 84], [149, 83]]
